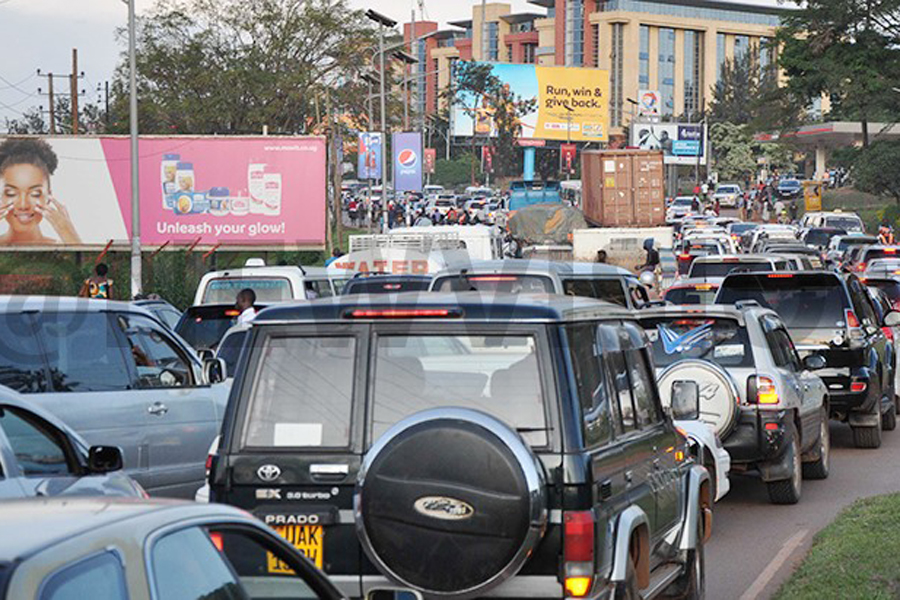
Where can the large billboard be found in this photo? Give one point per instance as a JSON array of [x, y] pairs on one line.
[[681, 143], [406, 149], [75, 192], [567, 98], [370, 155]]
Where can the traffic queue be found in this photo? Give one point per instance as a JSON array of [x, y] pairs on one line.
[[468, 424]]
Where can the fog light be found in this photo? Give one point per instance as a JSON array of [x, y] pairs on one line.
[[771, 426], [578, 587]]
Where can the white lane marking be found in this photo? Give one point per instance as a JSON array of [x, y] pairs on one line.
[[760, 583]]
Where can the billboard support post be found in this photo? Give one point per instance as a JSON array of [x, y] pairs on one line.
[[136, 281], [384, 189]]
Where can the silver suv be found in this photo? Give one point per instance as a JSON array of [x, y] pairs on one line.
[[766, 405]]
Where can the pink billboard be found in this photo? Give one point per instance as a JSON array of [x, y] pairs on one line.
[[227, 191]]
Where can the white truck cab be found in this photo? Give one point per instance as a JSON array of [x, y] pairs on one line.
[[271, 284]]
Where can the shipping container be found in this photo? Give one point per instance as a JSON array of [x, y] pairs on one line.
[[623, 188]]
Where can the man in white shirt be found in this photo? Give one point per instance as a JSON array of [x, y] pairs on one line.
[[246, 298]]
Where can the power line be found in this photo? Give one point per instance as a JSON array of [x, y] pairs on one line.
[[16, 86]]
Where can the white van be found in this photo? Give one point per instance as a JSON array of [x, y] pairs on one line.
[[271, 284]]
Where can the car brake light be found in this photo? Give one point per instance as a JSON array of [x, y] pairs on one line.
[[217, 540], [890, 251], [231, 313], [858, 386], [779, 276], [578, 552], [771, 426], [684, 257], [861, 267], [493, 278], [852, 321], [888, 333], [401, 313], [765, 391]]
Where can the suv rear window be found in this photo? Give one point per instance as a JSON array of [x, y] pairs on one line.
[[303, 393], [526, 284], [380, 286], [721, 341], [889, 286], [821, 237], [721, 269], [267, 289], [203, 326], [699, 294], [802, 301], [610, 290], [495, 374]]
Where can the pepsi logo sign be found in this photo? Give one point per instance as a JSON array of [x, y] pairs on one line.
[[407, 158]]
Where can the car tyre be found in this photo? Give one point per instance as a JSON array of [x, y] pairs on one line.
[[868, 437], [709, 463], [628, 589], [787, 491], [691, 585], [818, 469], [889, 420]]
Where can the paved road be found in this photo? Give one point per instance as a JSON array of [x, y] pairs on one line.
[[756, 545]]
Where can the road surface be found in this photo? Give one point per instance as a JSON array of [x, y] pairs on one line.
[[756, 545]]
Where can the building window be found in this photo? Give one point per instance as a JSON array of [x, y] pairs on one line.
[[644, 57], [741, 47], [693, 72], [435, 75], [666, 70], [766, 51], [493, 41], [616, 74], [574, 33], [673, 8], [509, 53], [528, 53], [595, 32], [720, 54]]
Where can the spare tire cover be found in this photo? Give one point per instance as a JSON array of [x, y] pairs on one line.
[[718, 394], [450, 502]]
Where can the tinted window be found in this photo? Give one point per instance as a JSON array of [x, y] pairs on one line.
[[156, 361], [202, 328], [610, 290], [721, 269], [643, 388], [98, 578], [495, 374], [890, 287], [268, 289], [393, 286], [820, 237], [873, 253], [38, 448], [862, 304], [168, 316], [585, 352], [302, 393], [845, 223], [740, 228], [230, 350], [84, 352], [21, 360], [802, 301], [691, 295], [526, 284], [186, 566], [676, 338]]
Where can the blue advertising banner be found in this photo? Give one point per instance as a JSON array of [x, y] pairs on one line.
[[371, 153], [407, 154]]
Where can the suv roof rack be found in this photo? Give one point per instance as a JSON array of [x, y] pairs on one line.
[[742, 304]]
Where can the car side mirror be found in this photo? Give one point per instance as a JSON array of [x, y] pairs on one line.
[[814, 362], [206, 354], [892, 319], [214, 370], [105, 459], [685, 400]]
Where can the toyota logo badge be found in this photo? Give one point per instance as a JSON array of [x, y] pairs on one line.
[[268, 472]]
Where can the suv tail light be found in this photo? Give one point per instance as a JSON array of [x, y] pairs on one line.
[[761, 390], [578, 552], [888, 333], [853, 325]]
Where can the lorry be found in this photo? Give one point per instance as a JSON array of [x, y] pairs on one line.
[[623, 188], [528, 193]]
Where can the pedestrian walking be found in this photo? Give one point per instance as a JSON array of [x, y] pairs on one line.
[[98, 285]]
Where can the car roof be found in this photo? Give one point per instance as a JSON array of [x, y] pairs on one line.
[[10, 304], [10, 397], [689, 281], [473, 306], [64, 518], [536, 267], [267, 271], [720, 258]]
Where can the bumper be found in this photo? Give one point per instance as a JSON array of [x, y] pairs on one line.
[[759, 437], [840, 395]]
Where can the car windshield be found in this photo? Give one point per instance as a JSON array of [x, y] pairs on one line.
[[790, 183], [727, 189], [685, 202], [805, 301], [526, 284], [610, 290], [821, 237], [675, 338], [721, 269], [267, 289], [845, 223], [850, 241], [203, 327], [694, 294], [739, 228], [495, 374], [876, 253]]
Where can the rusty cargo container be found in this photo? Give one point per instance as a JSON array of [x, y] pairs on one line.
[[623, 188]]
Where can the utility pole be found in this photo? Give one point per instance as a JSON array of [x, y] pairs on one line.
[[73, 82], [136, 263], [52, 104]]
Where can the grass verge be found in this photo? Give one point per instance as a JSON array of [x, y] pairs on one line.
[[856, 556]]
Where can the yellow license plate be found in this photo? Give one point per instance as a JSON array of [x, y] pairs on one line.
[[308, 539]]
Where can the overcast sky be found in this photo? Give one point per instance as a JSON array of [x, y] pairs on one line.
[[40, 34]]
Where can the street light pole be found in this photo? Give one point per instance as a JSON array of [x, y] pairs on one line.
[[383, 22], [136, 279]]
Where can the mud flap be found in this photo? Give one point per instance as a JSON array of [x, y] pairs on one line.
[[777, 469], [859, 419]]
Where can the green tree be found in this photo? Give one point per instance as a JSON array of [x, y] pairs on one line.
[[848, 50], [233, 66], [876, 169], [509, 109], [472, 87], [453, 173], [733, 151]]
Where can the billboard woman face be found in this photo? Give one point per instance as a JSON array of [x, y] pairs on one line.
[[25, 191]]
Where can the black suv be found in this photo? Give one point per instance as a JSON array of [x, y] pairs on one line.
[[831, 314], [455, 444]]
